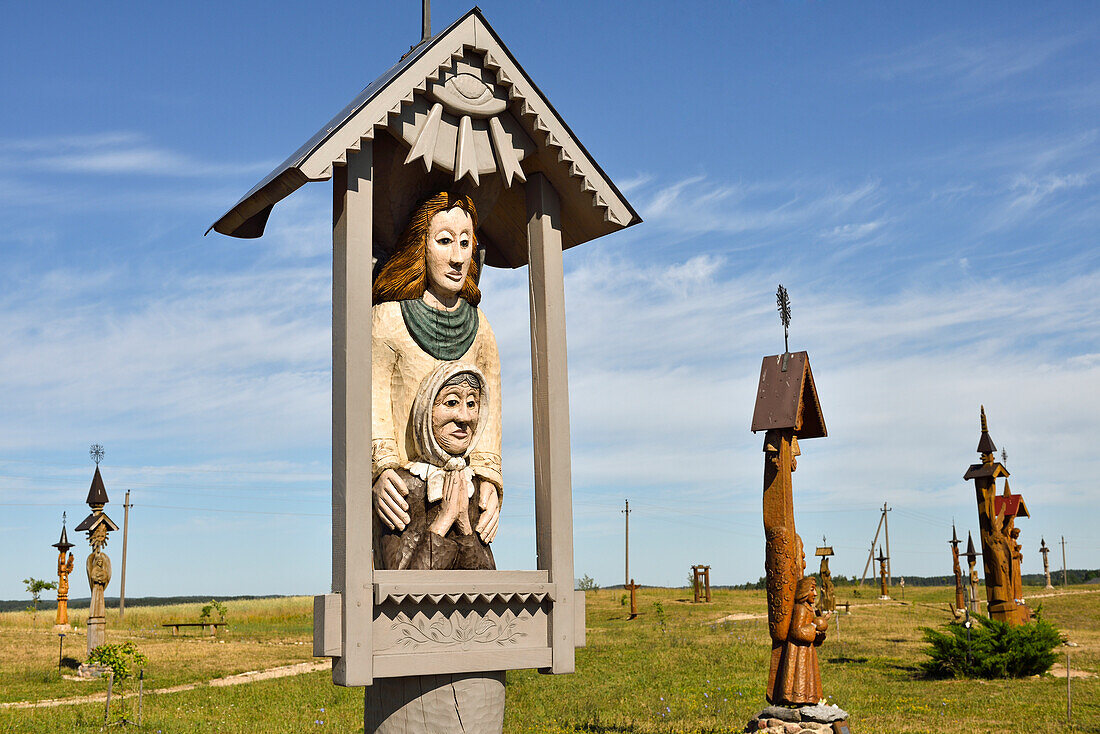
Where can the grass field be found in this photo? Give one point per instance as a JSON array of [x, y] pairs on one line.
[[679, 667]]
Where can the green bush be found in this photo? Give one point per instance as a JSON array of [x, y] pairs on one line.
[[995, 649], [118, 658], [209, 609]]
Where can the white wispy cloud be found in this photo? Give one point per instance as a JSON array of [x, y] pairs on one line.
[[114, 153]]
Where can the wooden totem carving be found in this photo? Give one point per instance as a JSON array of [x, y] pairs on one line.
[[960, 596], [64, 568], [1046, 562], [996, 520], [827, 602], [97, 525], [972, 561], [787, 408]]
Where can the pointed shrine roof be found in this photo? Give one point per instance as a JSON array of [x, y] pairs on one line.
[[63, 544], [97, 493], [509, 123], [788, 399]]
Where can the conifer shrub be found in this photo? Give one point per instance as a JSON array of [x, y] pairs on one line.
[[995, 649]]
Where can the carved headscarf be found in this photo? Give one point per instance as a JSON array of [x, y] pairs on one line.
[[805, 588], [432, 462]]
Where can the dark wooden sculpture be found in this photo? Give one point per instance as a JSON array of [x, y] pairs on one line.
[[827, 602], [787, 408]]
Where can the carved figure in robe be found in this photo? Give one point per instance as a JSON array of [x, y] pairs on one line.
[[828, 591], [797, 678], [99, 575], [64, 568], [446, 426], [426, 313]]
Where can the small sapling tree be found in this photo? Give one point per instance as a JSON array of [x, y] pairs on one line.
[[208, 610], [35, 587]]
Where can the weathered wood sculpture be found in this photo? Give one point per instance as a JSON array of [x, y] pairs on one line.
[[884, 593], [960, 595], [827, 602], [972, 562], [1046, 562], [787, 409], [97, 525], [633, 588], [700, 583], [64, 568], [1001, 553], [454, 140]]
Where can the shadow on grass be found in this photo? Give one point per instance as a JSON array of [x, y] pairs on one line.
[[70, 663], [847, 660]]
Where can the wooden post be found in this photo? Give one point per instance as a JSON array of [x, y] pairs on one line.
[[125, 533], [352, 210], [633, 599], [871, 553], [706, 580], [550, 412], [626, 550], [886, 531], [1063, 563]]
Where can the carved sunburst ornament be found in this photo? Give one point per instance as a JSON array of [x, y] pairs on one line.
[[462, 124]]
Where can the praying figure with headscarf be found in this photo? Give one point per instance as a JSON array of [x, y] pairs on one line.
[[446, 423], [796, 678]]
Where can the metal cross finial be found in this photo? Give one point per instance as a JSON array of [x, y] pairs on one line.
[[783, 302], [63, 518], [1004, 456], [96, 452]]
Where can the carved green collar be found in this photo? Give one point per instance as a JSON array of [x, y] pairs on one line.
[[445, 335]]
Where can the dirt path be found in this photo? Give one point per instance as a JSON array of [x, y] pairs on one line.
[[229, 680]]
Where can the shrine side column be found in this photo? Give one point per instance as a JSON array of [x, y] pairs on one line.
[[550, 411], [352, 565]]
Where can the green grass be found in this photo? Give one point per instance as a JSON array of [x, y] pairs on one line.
[[691, 674]]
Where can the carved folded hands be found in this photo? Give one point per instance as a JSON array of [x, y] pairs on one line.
[[393, 509]]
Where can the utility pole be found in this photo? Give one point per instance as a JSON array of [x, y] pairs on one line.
[[871, 554], [1063, 562], [886, 529], [125, 532], [626, 514]]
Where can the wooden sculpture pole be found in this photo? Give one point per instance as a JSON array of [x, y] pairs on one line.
[[972, 562], [781, 562], [1046, 562], [960, 597], [997, 544], [884, 592], [97, 525], [64, 568], [828, 590]]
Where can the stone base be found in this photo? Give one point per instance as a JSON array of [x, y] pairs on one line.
[[87, 672], [62, 628], [815, 719], [885, 598]]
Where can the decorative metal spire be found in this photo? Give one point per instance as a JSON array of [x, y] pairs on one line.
[[783, 304], [954, 542], [96, 452]]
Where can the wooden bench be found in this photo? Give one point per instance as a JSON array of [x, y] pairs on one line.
[[213, 626]]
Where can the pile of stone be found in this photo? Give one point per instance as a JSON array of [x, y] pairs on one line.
[[816, 719]]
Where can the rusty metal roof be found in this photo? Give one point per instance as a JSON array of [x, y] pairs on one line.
[[1016, 507], [788, 399]]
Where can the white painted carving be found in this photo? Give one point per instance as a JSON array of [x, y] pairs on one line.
[[463, 632]]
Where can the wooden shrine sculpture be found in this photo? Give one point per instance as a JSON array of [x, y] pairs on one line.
[[700, 583], [64, 568], [827, 602], [960, 595], [996, 521], [1046, 562], [97, 525], [450, 162], [787, 409]]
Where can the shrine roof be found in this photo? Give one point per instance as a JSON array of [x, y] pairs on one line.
[[95, 519], [543, 140], [986, 470], [788, 398], [97, 493], [1016, 507]]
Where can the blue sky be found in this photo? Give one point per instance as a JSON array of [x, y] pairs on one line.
[[923, 179]]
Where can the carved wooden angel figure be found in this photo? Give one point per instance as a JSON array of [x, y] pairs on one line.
[[426, 313], [64, 568], [439, 482]]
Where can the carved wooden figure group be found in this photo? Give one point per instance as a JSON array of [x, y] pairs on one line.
[[1001, 553], [97, 525]]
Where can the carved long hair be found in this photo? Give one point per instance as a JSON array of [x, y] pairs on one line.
[[405, 274]]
